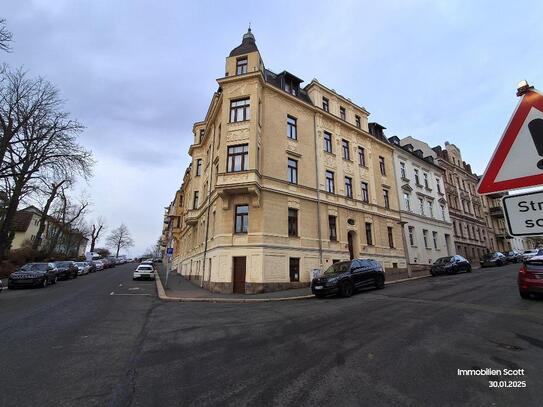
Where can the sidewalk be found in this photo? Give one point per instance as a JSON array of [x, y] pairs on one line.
[[182, 290]]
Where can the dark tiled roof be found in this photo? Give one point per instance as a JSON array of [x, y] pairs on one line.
[[248, 44], [21, 221], [277, 81]]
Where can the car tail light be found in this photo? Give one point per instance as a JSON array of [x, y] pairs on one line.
[[522, 270]]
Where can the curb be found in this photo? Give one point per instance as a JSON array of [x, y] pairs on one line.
[[165, 297]]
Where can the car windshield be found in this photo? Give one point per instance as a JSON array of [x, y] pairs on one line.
[[443, 260], [340, 267], [34, 267], [63, 264], [80, 264], [489, 255]]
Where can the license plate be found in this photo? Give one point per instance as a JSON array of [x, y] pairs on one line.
[[318, 287]]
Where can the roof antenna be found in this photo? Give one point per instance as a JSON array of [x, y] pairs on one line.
[[249, 26]]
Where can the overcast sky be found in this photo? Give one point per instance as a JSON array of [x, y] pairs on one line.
[[138, 74]]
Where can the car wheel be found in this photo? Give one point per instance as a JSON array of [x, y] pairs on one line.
[[432, 273], [346, 289], [524, 295], [55, 280], [380, 282], [468, 270]]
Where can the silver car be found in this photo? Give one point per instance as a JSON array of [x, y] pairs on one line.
[[82, 267]]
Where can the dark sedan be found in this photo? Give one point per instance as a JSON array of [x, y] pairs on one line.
[[33, 275], [514, 256], [345, 277], [450, 265], [66, 270], [493, 259]]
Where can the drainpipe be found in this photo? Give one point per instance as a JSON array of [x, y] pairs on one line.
[[208, 210], [318, 189]]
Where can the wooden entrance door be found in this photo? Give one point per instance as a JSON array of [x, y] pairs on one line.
[[350, 243], [239, 275]]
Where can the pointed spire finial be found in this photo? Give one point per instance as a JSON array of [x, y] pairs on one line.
[[249, 26]]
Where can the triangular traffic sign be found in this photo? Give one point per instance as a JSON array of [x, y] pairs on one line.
[[517, 161]]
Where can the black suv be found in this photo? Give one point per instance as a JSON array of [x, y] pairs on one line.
[[345, 277], [66, 270], [33, 275]]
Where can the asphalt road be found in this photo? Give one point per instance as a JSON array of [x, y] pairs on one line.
[[105, 340]]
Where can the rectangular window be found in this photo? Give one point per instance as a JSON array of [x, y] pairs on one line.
[[327, 142], [292, 171], [195, 200], [238, 158], [242, 219], [434, 236], [382, 165], [390, 237], [357, 121], [198, 167], [348, 187], [426, 185], [402, 170], [438, 185], [202, 134], [342, 113], [241, 66], [407, 201], [386, 199], [332, 227], [369, 239], [330, 182], [443, 211], [345, 148], [431, 209], [292, 128], [421, 206], [411, 230], [325, 104], [417, 178], [240, 110], [365, 192], [361, 156], [294, 269], [292, 222], [425, 236]]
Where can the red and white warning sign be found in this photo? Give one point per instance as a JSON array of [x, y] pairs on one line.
[[517, 161]]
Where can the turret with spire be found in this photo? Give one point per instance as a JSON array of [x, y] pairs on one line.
[[247, 49]]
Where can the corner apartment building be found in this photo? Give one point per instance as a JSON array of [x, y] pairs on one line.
[[423, 208], [284, 179], [473, 234]]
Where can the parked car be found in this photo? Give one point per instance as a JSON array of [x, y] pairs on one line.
[[144, 271], [98, 264], [530, 277], [92, 266], [514, 256], [345, 277], [493, 259], [33, 275], [528, 254], [66, 270], [450, 265], [112, 260], [82, 267], [1, 286]]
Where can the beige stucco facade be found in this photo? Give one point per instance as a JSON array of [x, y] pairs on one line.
[[207, 246]]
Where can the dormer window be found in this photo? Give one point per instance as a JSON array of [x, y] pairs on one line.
[[291, 87], [325, 104], [241, 66]]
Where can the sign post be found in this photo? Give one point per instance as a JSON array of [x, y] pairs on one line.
[[169, 253]]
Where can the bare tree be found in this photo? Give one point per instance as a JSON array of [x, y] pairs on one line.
[[96, 228], [44, 144], [5, 36], [120, 239], [51, 193]]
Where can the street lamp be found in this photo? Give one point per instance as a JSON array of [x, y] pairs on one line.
[[402, 223]]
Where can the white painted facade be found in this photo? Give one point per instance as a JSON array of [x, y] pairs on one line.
[[428, 228]]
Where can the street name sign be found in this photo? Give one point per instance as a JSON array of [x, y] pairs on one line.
[[517, 161], [524, 213]]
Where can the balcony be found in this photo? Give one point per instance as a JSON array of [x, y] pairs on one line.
[[191, 217], [236, 183], [496, 211]]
